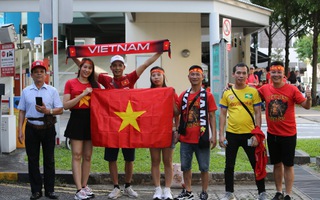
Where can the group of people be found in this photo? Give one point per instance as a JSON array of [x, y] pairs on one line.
[[243, 102], [194, 126]]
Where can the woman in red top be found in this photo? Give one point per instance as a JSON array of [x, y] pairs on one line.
[[157, 79], [77, 94]]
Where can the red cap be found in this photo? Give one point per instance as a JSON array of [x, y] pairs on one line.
[[38, 63]]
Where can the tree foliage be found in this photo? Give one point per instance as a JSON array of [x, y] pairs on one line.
[[273, 28], [304, 47], [286, 17], [297, 18], [311, 16], [277, 54]]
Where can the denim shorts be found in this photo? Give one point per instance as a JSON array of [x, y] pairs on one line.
[[186, 155]]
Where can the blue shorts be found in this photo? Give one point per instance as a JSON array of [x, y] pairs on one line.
[[282, 149], [186, 155], [111, 154]]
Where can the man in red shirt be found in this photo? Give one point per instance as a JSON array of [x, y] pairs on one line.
[[280, 99], [197, 108], [121, 81]]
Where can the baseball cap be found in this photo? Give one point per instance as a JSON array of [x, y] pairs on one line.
[[38, 63], [116, 58]]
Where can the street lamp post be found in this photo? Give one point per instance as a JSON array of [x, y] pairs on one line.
[[28, 44], [37, 45]]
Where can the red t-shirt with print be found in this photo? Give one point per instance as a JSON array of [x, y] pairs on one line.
[[74, 87], [126, 81], [193, 122], [280, 108]]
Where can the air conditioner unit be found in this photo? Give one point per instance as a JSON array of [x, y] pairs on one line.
[[7, 34]]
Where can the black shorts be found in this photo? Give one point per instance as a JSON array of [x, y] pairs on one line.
[[111, 154], [78, 126], [282, 149]]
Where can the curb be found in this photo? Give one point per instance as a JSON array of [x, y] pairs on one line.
[[9, 176], [137, 179]]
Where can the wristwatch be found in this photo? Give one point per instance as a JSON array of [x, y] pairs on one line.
[[51, 111]]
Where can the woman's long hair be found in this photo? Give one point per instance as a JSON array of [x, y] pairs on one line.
[[91, 79], [164, 77]]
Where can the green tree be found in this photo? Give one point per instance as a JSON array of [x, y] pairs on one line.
[[273, 28], [277, 54], [311, 16], [304, 47], [287, 18]]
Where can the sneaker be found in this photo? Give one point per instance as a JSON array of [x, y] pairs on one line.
[[88, 191], [167, 195], [115, 193], [130, 192], [184, 195], [263, 196], [203, 195], [229, 196], [278, 196], [287, 197], [157, 193], [81, 195]]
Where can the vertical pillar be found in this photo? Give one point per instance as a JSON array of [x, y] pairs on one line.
[[55, 21], [55, 18], [214, 38]]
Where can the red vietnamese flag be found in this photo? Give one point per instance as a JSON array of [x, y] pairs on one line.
[[135, 118]]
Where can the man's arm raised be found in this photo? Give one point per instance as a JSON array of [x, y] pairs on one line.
[[146, 64], [76, 61]]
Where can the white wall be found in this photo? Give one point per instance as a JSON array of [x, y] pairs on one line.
[[184, 32]]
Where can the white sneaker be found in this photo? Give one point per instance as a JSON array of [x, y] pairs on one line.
[[88, 191], [157, 193], [229, 196], [81, 195], [263, 196], [167, 195], [115, 193], [130, 192]]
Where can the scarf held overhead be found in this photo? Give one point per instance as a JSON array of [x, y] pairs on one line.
[[119, 48]]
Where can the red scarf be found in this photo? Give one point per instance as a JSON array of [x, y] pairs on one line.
[[119, 48]]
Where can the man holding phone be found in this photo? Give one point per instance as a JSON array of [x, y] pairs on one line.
[[38, 103]]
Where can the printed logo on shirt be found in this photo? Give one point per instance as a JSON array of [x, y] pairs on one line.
[[231, 97], [248, 96], [277, 109], [193, 115], [125, 82]]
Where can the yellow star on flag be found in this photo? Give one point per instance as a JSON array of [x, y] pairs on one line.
[[129, 117], [84, 100]]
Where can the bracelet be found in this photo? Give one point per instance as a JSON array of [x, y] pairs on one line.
[[51, 111]]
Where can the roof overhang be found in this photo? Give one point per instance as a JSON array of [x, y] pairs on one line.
[[244, 14]]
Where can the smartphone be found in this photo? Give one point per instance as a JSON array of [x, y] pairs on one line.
[[250, 142], [39, 101]]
